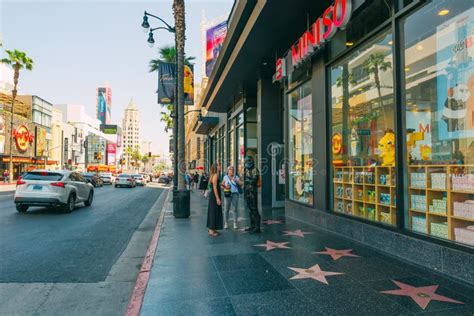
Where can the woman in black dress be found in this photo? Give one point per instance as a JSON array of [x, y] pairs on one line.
[[214, 211]]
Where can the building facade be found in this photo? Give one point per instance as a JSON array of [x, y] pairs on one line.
[[131, 139], [362, 124]]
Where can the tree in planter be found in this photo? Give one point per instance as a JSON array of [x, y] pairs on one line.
[[374, 65], [17, 60]]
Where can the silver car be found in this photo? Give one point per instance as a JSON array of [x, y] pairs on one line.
[[125, 180], [52, 188]]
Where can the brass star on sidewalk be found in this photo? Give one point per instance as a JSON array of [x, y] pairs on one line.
[[422, 295], [272, 222], [314, 273], [270, 245], [297, 232], [337, 254]]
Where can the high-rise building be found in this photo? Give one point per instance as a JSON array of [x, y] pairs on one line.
[[104, 105], [131, 128]]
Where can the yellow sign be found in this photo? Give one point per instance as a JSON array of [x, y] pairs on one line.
[[336, 143]]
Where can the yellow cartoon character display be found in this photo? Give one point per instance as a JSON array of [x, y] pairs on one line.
[[386, 148]]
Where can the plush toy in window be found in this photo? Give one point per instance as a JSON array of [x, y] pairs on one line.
[[386, 148]]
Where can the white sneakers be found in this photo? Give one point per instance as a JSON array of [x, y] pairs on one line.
[[235, 226], [227, 226]]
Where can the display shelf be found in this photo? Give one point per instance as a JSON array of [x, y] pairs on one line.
[[463, 218]]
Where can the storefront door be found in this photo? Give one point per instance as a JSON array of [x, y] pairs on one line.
[[278, 176]]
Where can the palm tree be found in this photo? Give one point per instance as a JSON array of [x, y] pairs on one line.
[[180, 26], [17, 60], [128, 154], [136, 155], [373, 65], [343, 81]]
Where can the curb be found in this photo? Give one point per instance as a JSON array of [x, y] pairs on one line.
[[136, 299]]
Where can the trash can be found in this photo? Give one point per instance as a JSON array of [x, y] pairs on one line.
[[181, 203]]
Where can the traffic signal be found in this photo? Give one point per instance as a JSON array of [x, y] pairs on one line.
[[149, 154], [96, 155]]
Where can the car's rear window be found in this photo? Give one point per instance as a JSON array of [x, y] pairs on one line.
[[124, 176], [42, 176]]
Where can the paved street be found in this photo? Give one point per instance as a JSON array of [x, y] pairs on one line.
[[44, 253]]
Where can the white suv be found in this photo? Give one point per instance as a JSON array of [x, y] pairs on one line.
[[52, 188]]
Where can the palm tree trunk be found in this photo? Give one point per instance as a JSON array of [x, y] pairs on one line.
[[178, 10], [14, 93], [379, 92]]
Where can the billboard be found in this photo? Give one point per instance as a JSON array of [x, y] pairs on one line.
[[111, 153], [40, 142], [104, 105], [215, 37], [109, 129], [167, 83]]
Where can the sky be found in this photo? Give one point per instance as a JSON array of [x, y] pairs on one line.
[[80, 45]]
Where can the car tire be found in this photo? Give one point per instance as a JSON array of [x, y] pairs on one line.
[[21, 208], [89, 200], [71, 202]]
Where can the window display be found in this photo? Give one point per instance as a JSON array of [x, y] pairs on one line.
[[363, 138], [301, 144], [439, 109]]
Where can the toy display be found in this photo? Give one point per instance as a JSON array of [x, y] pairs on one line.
[[418, 224], [385, 217], [439, 229], [349, 208], [464, 209], [438, 181], [340, 207], [418, 202], [371, 196], [371, 213], [384, 198], [360, 194], [386, 147], [369, 178], [418, 180], [349, 193], [439, 206], [463, 182], [339, 191], [464, 235]]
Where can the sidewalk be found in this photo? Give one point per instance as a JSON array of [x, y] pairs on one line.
[[277, 274], [7, 187]]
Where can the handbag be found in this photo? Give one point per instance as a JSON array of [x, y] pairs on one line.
[[227, 193]]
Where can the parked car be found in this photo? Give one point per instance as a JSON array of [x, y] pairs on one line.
[[94, 179], [125, 180], [164, 179], [107, 177], [139, 179], [146, 177], [52, 188]]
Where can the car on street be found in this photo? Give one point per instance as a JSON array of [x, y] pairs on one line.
[[139, 179], [52, 188], [94, 179], [107, 177], [164, 179], [146, 176], [125, 180]]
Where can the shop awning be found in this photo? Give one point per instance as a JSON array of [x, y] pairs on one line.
[[205, 125]]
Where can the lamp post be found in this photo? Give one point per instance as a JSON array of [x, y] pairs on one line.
[[181, 196]]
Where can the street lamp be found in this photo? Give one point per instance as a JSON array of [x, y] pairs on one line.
[[151, 41]]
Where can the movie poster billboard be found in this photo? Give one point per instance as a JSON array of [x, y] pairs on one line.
[[40, 142], [104, 105], [2, 135], [455, 80], [215, 37], [167, 83], [111, 153]]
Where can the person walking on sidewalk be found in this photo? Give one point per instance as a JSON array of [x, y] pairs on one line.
[[252, 178], [195, 180], [203, 183], [5, 176], [232, 187], [214, 209]]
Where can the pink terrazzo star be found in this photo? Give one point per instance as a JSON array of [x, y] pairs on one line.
[[337, 254], [272, 222], [314, 273], [422, 295], [297, 232], [270, 245]]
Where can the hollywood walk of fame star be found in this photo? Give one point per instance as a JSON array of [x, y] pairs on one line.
[[272, 222], [297, 232], [337, 254], [314, 273], [270, 245], [422, 295]]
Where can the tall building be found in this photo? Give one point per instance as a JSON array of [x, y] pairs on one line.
[[131, 128], [104, 105]]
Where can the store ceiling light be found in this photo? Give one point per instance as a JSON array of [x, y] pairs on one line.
[[349, 43], [443, 12], [407, 69], [390, 42], [419, 47]]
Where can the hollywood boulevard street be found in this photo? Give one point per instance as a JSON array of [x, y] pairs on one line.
[[85, 262]]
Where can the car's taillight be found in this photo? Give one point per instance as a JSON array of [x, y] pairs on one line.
[[19, 181], [58, 184], [129, 180]]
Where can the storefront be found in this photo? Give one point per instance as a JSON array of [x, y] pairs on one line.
[[378, 119]]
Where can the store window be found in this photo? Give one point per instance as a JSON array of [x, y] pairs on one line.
[[363, 138], [301, 144], [439, 105]]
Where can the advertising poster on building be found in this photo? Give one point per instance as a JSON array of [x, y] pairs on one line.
[[40, 142], [215, 37], [111, 153], [167, 83], [2, 135], [455, 80], [104, 105]]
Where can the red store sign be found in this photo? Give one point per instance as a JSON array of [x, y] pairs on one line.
[[334, 17]]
